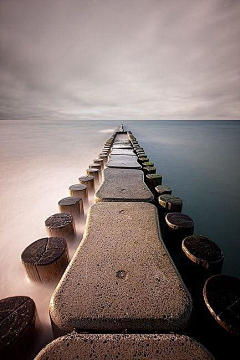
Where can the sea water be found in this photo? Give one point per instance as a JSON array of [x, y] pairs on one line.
[[40, 159]]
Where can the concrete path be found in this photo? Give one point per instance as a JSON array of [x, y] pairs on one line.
[[121, 276], [127, 185], [128, 347], [123, 161]]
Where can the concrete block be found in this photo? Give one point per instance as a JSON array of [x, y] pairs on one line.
[[123, 161], [127, 185], [121, 276]]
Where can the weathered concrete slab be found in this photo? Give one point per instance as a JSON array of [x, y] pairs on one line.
[[121, 137], [123, 161], [121, 276], [121, 146], [121, 346], [123, 152], [127, 185]]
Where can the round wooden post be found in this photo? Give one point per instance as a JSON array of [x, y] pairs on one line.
[[61, 225], [97, 166], [162, 189], [72, 205], [79, 190], [153, 180], [201, 258], [18, 328], [45, 260], [89, 182], [177, 227], [149, 170], [147, 163], [99, 161], [221, 295], [94, 172], [104, 157], [170, 203]]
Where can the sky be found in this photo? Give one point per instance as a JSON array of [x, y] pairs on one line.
[[120, 59]]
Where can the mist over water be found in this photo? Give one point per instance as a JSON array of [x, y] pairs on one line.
[[39, 160]]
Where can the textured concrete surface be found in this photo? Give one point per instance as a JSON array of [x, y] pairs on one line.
[[123, 161], [121, 276], [127, 185], [128, 347], [123, 152]]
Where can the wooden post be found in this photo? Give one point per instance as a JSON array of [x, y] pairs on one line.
[[177, 227], [79, 190], [97, 166], [89, 182], [72, 205], [61, 225], [18, 330], [149, 170], [147, 163], [162, 189], [221, 295], [170, 203], [99, 161], [45, 260], [94, 172], [104, 157], [142, 159], [153, 180]]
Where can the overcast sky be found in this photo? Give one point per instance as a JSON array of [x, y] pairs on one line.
[[120, 59]]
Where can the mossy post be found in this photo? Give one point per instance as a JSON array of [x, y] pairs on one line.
[[61, 225], [153, 180], [169, 203], [45, 260]]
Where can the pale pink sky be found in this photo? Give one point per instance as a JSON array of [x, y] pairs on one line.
[[120, 59]]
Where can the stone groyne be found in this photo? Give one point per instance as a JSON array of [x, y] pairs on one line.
[[136, 286]]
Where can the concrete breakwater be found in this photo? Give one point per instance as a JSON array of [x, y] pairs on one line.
[[122, 278]]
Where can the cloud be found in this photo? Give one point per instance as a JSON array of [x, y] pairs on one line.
[[110, 59]]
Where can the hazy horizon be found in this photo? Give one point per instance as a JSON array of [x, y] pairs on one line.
[[120, 60]]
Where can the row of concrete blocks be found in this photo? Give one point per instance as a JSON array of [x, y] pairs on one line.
[[122, 277]]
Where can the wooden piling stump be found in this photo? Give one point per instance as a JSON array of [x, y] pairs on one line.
[[46, 259], [149, 170], [153, 180], [147, 163], [79, 190], [61, 225], [95, 173], [222, 298], [96, 166], [170, 203], [18, 331], [89, 182], [104, 157], [202, 253], [162, 189], [180, 225], [99, 161], [142, 159], [72, 205]]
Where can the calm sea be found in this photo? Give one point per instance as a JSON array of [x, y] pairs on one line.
[[39, 160]]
